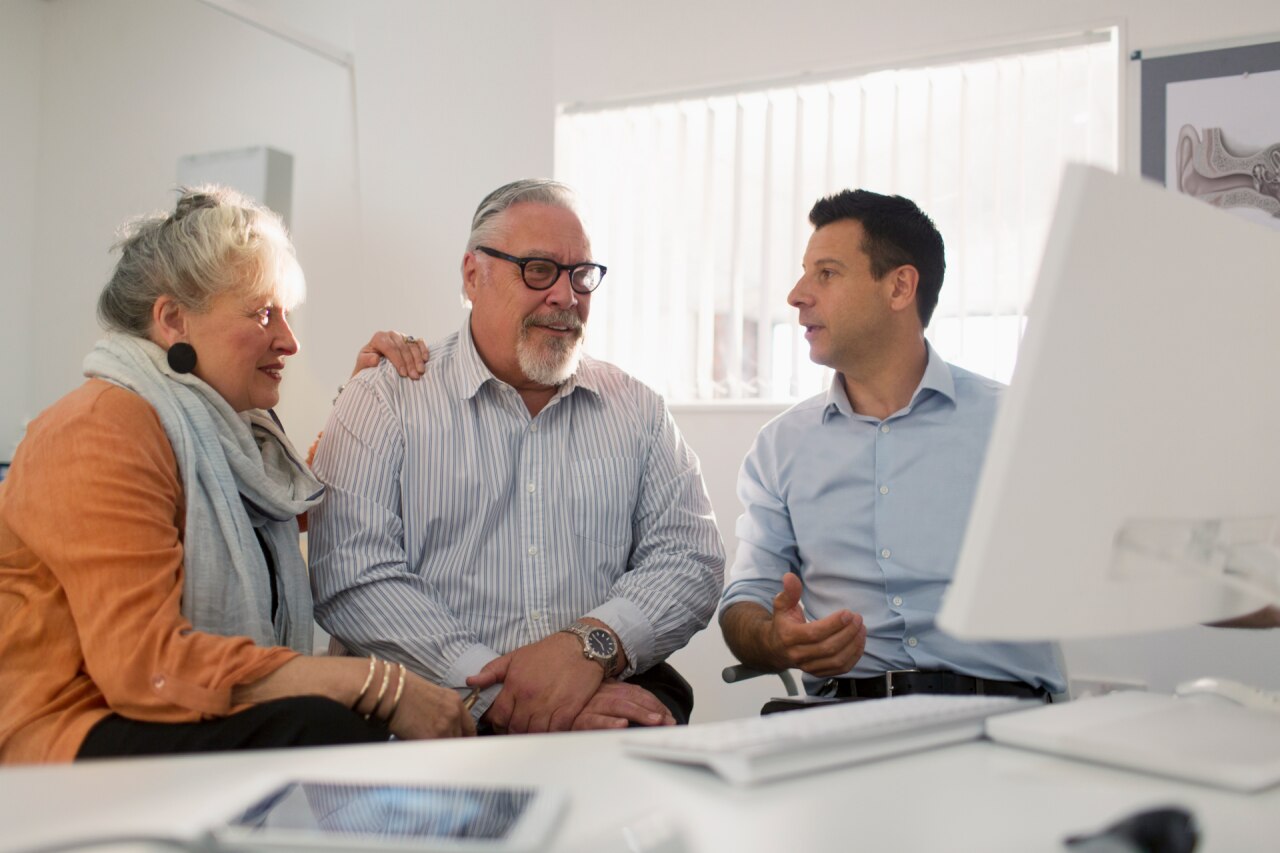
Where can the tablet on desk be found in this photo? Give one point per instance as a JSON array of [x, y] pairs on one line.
[[336, 816]]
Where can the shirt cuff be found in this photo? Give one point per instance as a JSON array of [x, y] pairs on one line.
[[633, 630], [467, 664], [744, 595]]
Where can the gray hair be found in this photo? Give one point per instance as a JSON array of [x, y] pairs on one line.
[[215, 240], [537, 190]]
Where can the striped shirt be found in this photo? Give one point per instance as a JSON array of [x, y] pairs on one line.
[[457, 528]]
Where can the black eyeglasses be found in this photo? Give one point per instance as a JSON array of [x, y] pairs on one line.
[[541, 273]]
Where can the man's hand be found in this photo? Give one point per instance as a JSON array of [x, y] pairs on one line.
[[617, 704], [545, 686], [829, 646], [407, 354]]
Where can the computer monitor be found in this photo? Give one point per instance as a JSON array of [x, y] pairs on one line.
[[1132, 482]]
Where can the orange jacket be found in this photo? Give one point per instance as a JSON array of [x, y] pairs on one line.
[[91, 523]]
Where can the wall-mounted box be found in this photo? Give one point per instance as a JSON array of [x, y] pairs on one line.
[[264, 174]]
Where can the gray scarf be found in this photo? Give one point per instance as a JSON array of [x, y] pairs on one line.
[[239, 472]]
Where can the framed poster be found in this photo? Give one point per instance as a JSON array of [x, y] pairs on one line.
[[1211, 127]]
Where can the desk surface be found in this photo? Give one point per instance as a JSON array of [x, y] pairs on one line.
[[974, 796]]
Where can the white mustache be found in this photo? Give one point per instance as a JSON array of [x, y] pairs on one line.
[[568, 319]]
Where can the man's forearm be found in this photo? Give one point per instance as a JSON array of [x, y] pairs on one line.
[[748, 632]]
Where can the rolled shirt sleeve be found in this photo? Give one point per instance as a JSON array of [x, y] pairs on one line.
[[676, 565], [767, 547]]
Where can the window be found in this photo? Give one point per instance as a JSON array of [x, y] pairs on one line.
[[699, 206]]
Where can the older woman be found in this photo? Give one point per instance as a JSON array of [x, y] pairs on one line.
[[153, 598]]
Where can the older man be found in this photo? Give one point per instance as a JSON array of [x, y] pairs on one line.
[[524, 519], [856, 500]]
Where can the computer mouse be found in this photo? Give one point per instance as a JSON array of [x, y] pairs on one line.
[[1163, 830]]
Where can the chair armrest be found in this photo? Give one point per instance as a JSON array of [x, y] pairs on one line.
[[741, 672]]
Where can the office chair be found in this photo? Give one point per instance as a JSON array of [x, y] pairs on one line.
[[794, 700]]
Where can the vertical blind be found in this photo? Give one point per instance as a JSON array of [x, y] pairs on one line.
[[699, 206]]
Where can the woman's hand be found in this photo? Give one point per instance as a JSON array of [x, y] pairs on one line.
[[428, 711], [424, 710], [405, 352]]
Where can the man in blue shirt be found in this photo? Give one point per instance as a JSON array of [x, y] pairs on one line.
[[856, 500]]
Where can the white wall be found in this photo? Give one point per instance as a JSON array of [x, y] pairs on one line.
[[450, 100], [385, 175], [21, 28], [130, 86]]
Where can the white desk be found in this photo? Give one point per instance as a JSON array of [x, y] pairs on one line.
[[975, 796]]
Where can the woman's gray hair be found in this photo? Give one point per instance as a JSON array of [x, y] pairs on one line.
[[215, 240], [536, 190]]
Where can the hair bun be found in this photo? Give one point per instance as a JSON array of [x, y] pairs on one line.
[[196, 198]]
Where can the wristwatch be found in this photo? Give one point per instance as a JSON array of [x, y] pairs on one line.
[[598, 644]]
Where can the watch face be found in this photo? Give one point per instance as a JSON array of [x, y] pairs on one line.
[[600, 642]]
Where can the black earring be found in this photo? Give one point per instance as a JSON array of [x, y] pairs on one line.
[[182, 357]]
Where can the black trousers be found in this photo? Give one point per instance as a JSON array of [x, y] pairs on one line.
[[295, 721], [670, 687]]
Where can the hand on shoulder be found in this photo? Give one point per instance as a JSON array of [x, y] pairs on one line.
[[407, 354]]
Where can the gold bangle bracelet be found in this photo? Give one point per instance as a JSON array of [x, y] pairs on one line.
[[382, 691], [395, 702], [373, 662]]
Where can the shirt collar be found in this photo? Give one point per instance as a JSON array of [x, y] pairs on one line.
[[473, 373], [937, 378]]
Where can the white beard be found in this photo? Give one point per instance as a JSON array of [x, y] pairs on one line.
[[553, 362]]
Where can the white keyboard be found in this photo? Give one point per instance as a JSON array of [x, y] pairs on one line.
[[759, 749]]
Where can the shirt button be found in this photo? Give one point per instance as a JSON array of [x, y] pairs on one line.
[[912, 642], [533, 550], [158, 682], [529, 487], [884, 490], [884, 552], [884, 427], [537, 614], [897, 601], [533, 427]]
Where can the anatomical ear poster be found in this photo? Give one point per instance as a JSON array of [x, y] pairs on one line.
[[1211, 127]]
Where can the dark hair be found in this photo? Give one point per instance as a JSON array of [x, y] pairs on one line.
[[897, 233]]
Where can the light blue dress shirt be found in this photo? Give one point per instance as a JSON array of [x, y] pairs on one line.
[[871, 515], [457, 528]]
